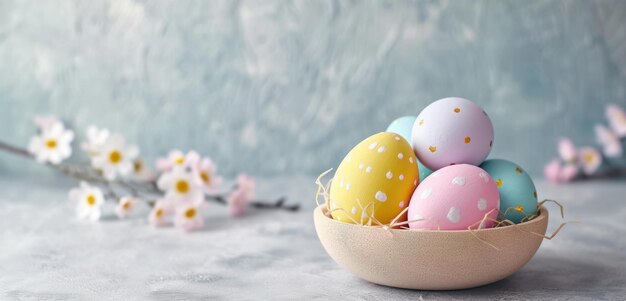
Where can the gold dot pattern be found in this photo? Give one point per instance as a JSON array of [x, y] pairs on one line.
[[432, 149], [499, 182], [467, 140], [457, 110], [518, 170]]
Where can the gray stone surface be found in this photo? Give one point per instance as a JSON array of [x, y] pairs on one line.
[[46, 254]]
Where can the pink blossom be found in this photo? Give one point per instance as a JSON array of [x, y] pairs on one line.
[[617, 119], [176, 158], [206, 174], [126, 206], [611, 145], [237, 202], [189, 217], [552, 171], [567, 150], [590, 159], [160, 213], [247, 184], [556, 172], [568, 173]]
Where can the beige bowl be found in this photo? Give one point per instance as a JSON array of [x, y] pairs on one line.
[[430, 260]]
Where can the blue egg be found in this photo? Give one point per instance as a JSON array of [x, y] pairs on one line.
[[403, 127], [518, 196]]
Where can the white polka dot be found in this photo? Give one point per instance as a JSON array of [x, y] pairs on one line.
[[353, 210], [484, 176], [458, 181], [389, 175], [361, 166], [368, 169], [373, 145], [417, 217], [401, 204], [426, 193], [454, 215], [482, 204], [401, 177], [415, 182], [348, 186], [411, 160], [400, 155], [397, 138], [382, 149], [381, 196], [341, 183]]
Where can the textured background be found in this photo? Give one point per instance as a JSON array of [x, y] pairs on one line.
[[277, 87]]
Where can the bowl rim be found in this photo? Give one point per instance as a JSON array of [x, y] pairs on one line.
[[543, 214]]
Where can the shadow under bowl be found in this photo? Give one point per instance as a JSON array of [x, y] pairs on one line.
[[430, 260]]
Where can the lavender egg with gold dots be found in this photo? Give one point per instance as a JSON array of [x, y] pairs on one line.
[[518, 196], [452, 131]]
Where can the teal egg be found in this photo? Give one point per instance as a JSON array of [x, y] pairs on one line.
[[403, 127], [518, 196]]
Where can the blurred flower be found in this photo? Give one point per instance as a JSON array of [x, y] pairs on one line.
[[552, 171], [177, 158], [141, 171], [556, 172], [180, 185], [205, 172], [160, 213], [45, 122], [188, 216], [237, 202], [115, 157], [617, 119], [567, 150], [568, 173], [126, 206], [247, 184], [89, 199], [96, 140], [590, 160], [611, 145], [52, 145]]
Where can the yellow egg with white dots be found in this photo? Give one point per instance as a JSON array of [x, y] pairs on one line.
[[376, 179]]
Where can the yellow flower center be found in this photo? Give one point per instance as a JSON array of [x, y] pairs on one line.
[[182, 186], [91, 200], [180, 160], [137, 166], [51, 143], [205, 177], [159, 212], [190, 213], [115, 157], [519, 208]]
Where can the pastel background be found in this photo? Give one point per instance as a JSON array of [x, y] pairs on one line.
[[288, 87]]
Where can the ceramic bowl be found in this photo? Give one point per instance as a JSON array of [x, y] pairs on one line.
[[430, 260]]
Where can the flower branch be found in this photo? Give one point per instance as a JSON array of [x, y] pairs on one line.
[[177, 191]]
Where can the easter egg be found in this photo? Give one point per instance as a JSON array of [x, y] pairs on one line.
[[375, 179], [454, 198], [518, 196], [403, 127], [452, 131]]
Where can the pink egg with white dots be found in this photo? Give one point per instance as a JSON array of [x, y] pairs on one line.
[[455, 198], [450, 131]]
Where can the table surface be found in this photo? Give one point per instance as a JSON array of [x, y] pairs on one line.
[[47, 254]]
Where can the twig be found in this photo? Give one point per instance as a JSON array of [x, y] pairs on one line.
[[136, 188]]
